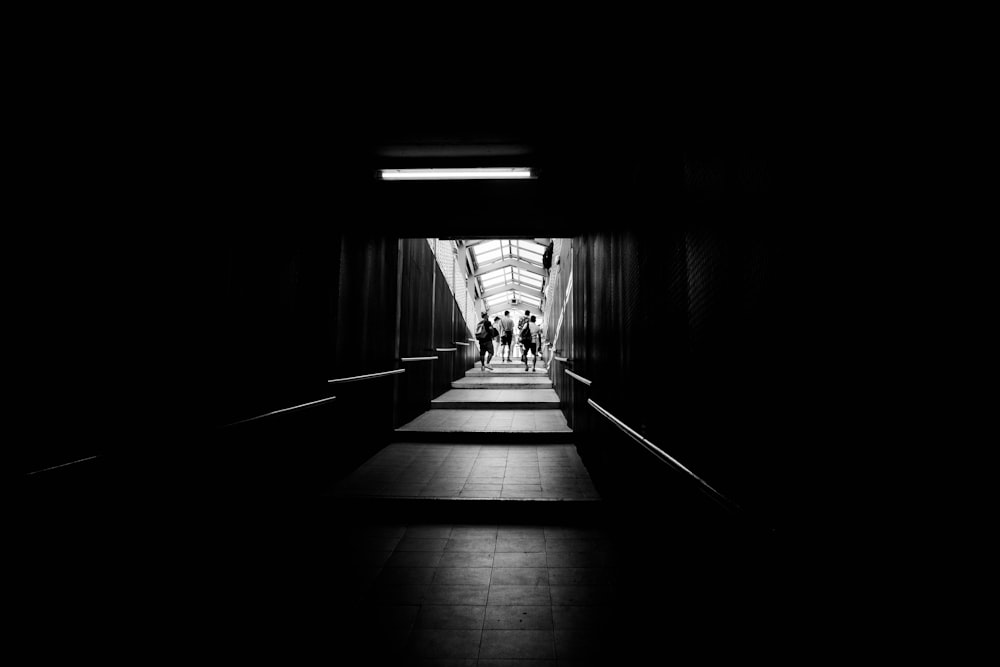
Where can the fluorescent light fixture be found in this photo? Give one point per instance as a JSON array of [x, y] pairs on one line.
[[483, 173]]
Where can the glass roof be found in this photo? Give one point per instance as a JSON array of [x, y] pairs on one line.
[[507, 269]]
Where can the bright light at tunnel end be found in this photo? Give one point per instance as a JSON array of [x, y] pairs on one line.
[[470, 174]]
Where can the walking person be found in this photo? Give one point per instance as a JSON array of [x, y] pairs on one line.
[[484, 334], [523, 320], [506, 335], [531, 339], [496, 336], [536, 341]]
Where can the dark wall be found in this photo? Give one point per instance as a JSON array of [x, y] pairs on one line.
[[430, 319], [699, 329]]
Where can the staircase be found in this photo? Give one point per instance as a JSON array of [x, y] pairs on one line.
[[494, 447]]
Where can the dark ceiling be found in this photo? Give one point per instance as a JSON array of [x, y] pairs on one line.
[[603, 157]]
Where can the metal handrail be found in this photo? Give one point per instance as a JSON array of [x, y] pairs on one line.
[[666, 458], [294, 407], [369, 376], [461, 343], [418, 358], [577, 377], [446, 349], [559, 358], [63, 465]]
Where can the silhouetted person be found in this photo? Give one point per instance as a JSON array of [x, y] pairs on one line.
[[484, 334]]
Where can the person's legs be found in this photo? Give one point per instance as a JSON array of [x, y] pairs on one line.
[[534, 355], [482, 355], [489, 354]]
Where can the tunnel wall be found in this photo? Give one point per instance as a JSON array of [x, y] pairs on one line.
[[689, 323], [430, 319], [282, 314]]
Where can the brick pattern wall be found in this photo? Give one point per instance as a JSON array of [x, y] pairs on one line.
[[445, 252]]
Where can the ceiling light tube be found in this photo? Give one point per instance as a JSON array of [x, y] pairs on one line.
[[470, 174]]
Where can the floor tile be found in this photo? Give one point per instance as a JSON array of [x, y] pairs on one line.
[[445, 643], [455, 594], [577, 558], [519, 576], [500, 594], [518, 617], [517, 544], [473, 544], [467, 559], [451, 617], [468, 576], [577, 576], [580, 595], [535, 644], [519, 559], [422, 544]]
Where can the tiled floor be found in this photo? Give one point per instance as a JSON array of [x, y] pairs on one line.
[[472, 420], [543, 472], [488, 593]]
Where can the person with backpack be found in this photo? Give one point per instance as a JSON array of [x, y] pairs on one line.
[[520, 329], [531, 340], [484, 334]]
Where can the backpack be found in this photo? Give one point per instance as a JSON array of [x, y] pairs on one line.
[[526, 335], [481, 332]]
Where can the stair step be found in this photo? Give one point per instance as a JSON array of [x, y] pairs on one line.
[[486, 437], [497, 399], [492, 381], [471, 383], [488, 426], [502, 370]]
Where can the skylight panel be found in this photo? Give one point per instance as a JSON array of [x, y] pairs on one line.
[[531, 246], [489, 275], [486, 246]]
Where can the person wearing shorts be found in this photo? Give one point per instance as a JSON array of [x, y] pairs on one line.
[[506, 335]]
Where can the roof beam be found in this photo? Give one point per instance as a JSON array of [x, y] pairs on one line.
[[523, 289], [510, 261]]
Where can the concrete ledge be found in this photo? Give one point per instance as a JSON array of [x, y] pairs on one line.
[[471, 384], [566, 437], [438, 404]]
